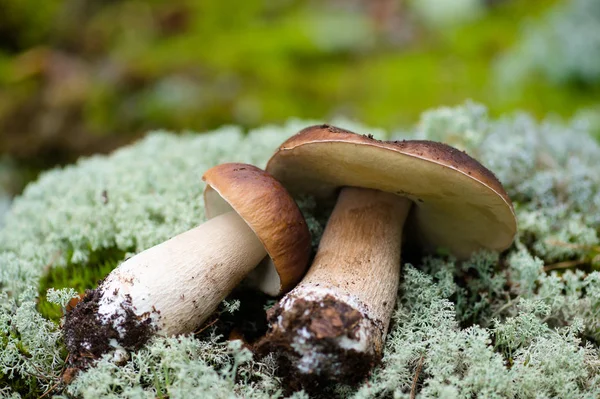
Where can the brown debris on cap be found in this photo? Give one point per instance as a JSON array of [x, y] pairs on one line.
[[459, 205]]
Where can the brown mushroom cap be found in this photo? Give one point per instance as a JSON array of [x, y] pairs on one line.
[[271, 213], [459, 205]]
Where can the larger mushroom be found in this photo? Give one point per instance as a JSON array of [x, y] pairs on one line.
[[333, 324], [174, 286]]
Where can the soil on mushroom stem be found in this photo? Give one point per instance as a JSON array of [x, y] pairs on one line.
[[87, 337], [324, 322]]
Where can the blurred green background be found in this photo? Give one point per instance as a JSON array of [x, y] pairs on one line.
[[86, 76]]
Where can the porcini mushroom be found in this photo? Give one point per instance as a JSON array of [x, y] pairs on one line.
[[333, 324], [174, 286]]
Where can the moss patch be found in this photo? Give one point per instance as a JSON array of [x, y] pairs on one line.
[[78, 276]]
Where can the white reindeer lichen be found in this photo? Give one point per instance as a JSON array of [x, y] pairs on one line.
[[494, 326]]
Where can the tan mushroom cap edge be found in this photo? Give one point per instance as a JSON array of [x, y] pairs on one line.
[[458, 204], [270, 211]]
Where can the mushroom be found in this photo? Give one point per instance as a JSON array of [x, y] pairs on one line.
[[333, 324], [174, 286]]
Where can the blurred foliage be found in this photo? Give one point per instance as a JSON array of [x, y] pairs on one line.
[[85, 76], [563, 47]]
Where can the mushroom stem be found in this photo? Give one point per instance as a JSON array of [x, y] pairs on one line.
[[168, 289], [349, 290]]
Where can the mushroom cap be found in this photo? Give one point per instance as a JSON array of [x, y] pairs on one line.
[[271, 213], [458, 204]]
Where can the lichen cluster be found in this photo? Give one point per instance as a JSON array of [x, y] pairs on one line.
[[523, 324]]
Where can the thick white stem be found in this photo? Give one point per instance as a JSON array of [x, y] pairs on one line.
[[180, 282]]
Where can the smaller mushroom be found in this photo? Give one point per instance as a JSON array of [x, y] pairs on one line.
[[174, 286], [333, 324]]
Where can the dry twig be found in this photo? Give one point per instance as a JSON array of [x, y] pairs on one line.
[[413, 388]]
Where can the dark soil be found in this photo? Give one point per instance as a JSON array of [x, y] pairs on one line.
[[248, 323], [87, 336], [325, 321]]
